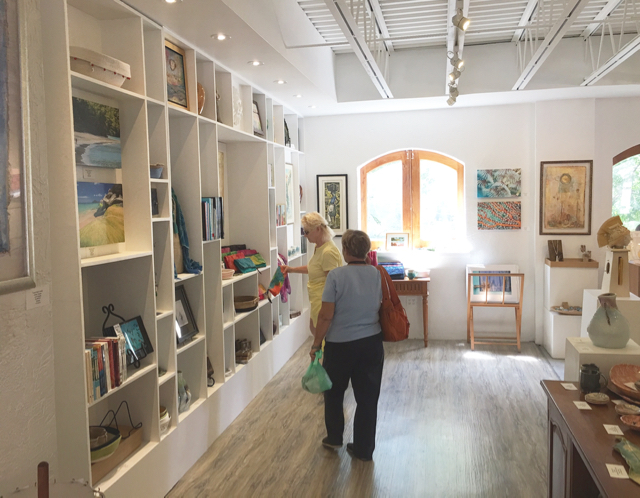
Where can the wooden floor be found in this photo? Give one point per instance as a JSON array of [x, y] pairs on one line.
[[451, 423]]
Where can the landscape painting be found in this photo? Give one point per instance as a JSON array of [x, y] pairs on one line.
[[494, 183], [499, 216], [97, 134], [101, 213]]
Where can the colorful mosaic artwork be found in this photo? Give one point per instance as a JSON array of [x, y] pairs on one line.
[[499, 182], [499, 216]]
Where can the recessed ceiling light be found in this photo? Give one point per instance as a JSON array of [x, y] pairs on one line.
[[255, 63], [298, 96], [171, 1], [280, 82], [312, 106], [220, 36]]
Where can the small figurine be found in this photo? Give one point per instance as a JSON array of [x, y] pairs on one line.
[[586, 255]]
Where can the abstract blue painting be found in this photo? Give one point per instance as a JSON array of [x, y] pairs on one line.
[[4, 131]]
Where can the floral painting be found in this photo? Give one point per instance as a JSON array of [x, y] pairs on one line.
[[499, 216], [565, 203], [499, 183]]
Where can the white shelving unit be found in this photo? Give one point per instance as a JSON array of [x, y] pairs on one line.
[[137, 276]]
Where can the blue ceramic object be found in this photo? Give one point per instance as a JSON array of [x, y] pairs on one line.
[[155, 171], [608, 328]]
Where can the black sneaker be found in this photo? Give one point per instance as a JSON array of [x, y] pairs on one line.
[[332, 446], [351, 452]]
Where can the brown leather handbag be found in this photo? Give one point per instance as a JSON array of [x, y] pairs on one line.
[[393, 317]]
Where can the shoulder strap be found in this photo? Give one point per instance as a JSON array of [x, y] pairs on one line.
[[388, 289]]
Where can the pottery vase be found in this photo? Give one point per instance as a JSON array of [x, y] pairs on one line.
[[608, 327], [184, 395]]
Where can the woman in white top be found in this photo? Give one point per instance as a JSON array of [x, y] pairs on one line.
[[349, 322], [326, 257]]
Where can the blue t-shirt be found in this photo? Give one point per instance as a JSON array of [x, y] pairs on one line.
[[357, 293]]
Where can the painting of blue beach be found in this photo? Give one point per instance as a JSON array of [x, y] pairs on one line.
[[97, 134], [100, 213]]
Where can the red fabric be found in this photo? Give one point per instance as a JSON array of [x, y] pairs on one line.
[[228, 261]]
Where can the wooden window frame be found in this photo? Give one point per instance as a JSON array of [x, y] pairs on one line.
[[410, 160]]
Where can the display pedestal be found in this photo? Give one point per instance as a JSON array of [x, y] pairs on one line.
[[628, 306], [564, 281], [616, 273], [580, 350]]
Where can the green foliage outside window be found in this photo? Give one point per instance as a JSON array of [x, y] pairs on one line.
[[626, 191]]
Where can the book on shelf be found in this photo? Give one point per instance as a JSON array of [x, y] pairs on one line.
[[212, 218], [106, 365]]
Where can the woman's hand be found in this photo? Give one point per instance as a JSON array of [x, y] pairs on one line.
[[285, 270], [313, 351]]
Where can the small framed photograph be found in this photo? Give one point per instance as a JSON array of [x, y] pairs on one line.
[[137, 339], [177, 86], [565, 197], [185, 323], [397, 241], [257, 121]]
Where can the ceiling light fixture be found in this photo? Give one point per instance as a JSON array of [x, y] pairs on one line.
[[455, 74], [256, 63], [459, 21], [312, 106], [453, 91], [171, 1], [456, 61], [220, 36], [451, 101], [280, 82], [298, 96]]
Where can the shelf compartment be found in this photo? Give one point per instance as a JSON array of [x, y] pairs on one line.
[[163, 266], [168, 398], [213, 310], [229, 351], [161, 315], [154, 61], [192, 364], [113, 258], [166, 353], [132, 377], [228, 134], [184, 277], [166, 378], [157, 135], [190, 344], [110, 29], [205, 76], [91, 85]]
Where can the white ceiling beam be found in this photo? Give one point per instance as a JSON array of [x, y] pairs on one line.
[[561, 26], [524, 20], [382, 25], [358, 43], [625, 52], [602, 15]]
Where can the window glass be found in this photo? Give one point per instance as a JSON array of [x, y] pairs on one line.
[[384, 200], [438, 200], [626, 191]]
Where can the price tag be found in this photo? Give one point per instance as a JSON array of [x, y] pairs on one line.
[[614, 430], [568, 386], [617, 471], [630, 385], [582, 405]]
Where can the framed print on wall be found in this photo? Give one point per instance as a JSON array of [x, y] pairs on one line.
[[565, 197], [16, 229], [177, 86], [397, 241], [257, 121], [333, 201]]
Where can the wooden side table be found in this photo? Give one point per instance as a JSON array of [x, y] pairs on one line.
[[416, 287]]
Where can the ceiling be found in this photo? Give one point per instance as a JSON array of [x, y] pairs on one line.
[[347, 56]]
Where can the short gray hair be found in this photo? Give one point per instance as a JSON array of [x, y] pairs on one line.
[[357, 243]]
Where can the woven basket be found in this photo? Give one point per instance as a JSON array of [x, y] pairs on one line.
[[246, 303]]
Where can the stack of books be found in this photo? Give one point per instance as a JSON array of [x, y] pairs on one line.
[[105, 364], [212, 218]]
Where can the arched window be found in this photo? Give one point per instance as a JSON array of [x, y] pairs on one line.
[[414, 191], [626, 187]]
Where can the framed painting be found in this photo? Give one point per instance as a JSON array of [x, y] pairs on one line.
[[499, 183], [288, 192], [490, 288], [100, 213], [397, 241], [565, 197], [185, 323], [333, 202], [96, 130], [177, 85], [16, 229], [257, 121]]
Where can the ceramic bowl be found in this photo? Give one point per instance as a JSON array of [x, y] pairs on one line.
[[155, 171], [597, 398], [105, 449], [633, 421], [623, 374], [227, 274], [627, 409], [617, 391]]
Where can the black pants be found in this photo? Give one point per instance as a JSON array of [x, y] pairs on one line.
[[361, 362]]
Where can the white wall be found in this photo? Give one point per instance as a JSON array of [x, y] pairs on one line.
[[515, 136], [27, 409]]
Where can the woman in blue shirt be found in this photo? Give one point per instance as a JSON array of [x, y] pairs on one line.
[[348, 321]]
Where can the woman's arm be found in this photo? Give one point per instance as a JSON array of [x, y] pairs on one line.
[[324, 320], [290, 269]]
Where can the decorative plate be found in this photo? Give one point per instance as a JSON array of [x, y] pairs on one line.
[[627, 409], [617, 391], [623, 374], [597, 398], [571, 310], [633, 421]]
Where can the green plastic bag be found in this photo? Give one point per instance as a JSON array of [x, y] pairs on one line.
[[316, 380]]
